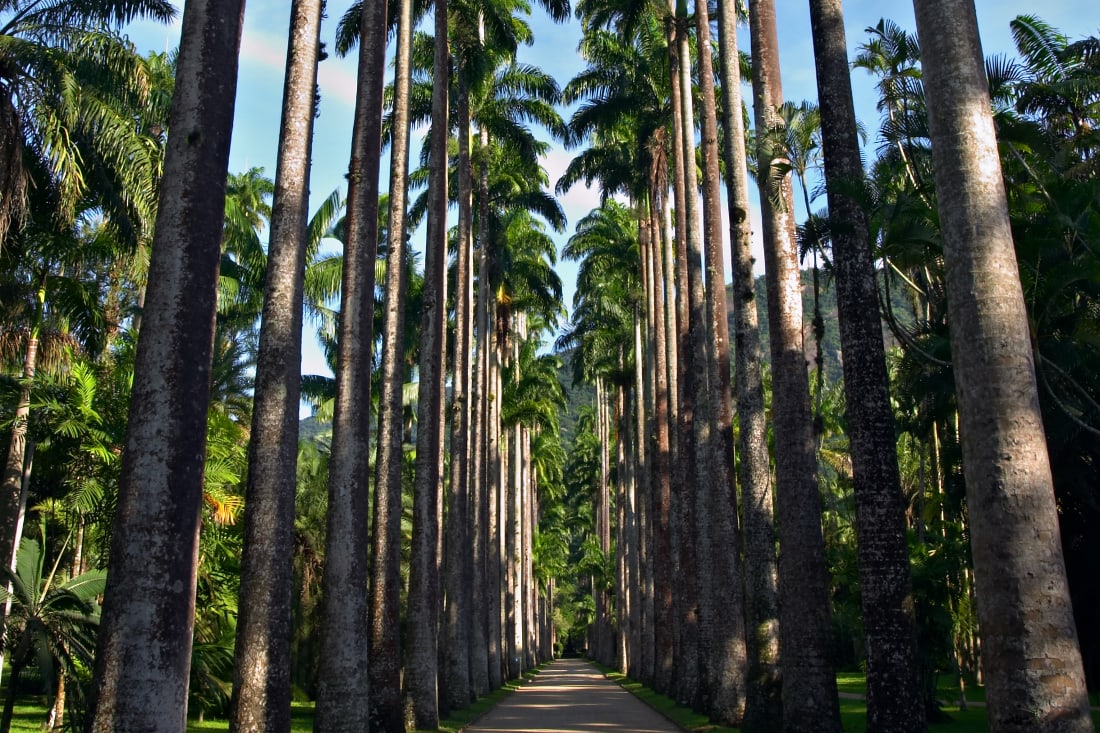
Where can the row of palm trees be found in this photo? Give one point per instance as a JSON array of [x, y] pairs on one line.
[[518, 293], [684, 612], [626, 120]]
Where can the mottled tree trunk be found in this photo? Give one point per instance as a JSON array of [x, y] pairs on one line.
[[763, 691], [457, 535], [1033, 673], [343, 678], [809, 682], [261, 672], [422, 661], [692, 363], [722, 600], [894, 693], [144, 647], [384, 661], [13, 493]]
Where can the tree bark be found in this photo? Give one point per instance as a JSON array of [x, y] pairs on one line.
[[763, 690], [422, 665], [261, 689], [342, 702], [458, 569], [384, 661], [722, 599], [1034, 677], [692, 363], [144, 645], [809, 681], [894, 698]]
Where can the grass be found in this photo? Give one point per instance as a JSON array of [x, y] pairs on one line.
[[30, 710], [853, 713]]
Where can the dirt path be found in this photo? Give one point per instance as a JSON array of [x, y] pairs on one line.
[[568, 696]]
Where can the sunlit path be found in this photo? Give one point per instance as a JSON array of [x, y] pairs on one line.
[[570, 695]]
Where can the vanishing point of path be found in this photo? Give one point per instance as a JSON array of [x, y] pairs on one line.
[[569, 696]]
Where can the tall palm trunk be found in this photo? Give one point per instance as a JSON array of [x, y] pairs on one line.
[[12, 492], [144, 643], [894, 699], [489, 446], [721, 599], [763, 693], [16, 468], [344, 650], [692, 369], [478, 503], [422, 666], [384, 661], [494, 555], [261, 689], [1034, 678], [809, 683], [458, 569]]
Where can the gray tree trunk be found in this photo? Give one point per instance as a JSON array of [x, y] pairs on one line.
[[457, 535], [261, 672], [384, 668], [722, 600], [343, 678], [809, 681], [144, 647], [763, 690], [894, 691], [421, 668], [692, 382], [1033, 673], [422, 661]]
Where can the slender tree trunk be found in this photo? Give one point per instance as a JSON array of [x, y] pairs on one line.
[[683, 497], [422, 665], [343, 678], [489, 588], [809, 682], [261, 689], [1034, 677], [763, 694], [12, 492], [894, 691], [458, 570], [494, 555], [144, 645], [721, 600], [478, 506], [384, 659]]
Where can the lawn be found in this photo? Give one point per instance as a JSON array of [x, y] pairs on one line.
[[30, 711]]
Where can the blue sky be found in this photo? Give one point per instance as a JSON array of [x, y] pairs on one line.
[[263, 53]]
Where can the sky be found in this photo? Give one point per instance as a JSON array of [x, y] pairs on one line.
[[263, 54]]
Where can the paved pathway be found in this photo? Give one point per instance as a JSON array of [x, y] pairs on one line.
[[570, 696]]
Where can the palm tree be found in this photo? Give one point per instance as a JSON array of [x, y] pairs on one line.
[[386, 706], [69, 90], [1023, 602], [144, 646], [763, 690], [344, 642], [51, 622], [894, 698], [809, 682], [422, 668], [261, 699]]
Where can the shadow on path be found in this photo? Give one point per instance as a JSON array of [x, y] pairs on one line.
[[571, 695]]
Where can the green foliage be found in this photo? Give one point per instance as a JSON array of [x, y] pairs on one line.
[[52, 622]]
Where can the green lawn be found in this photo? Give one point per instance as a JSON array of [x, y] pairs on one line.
[[30, 711]]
